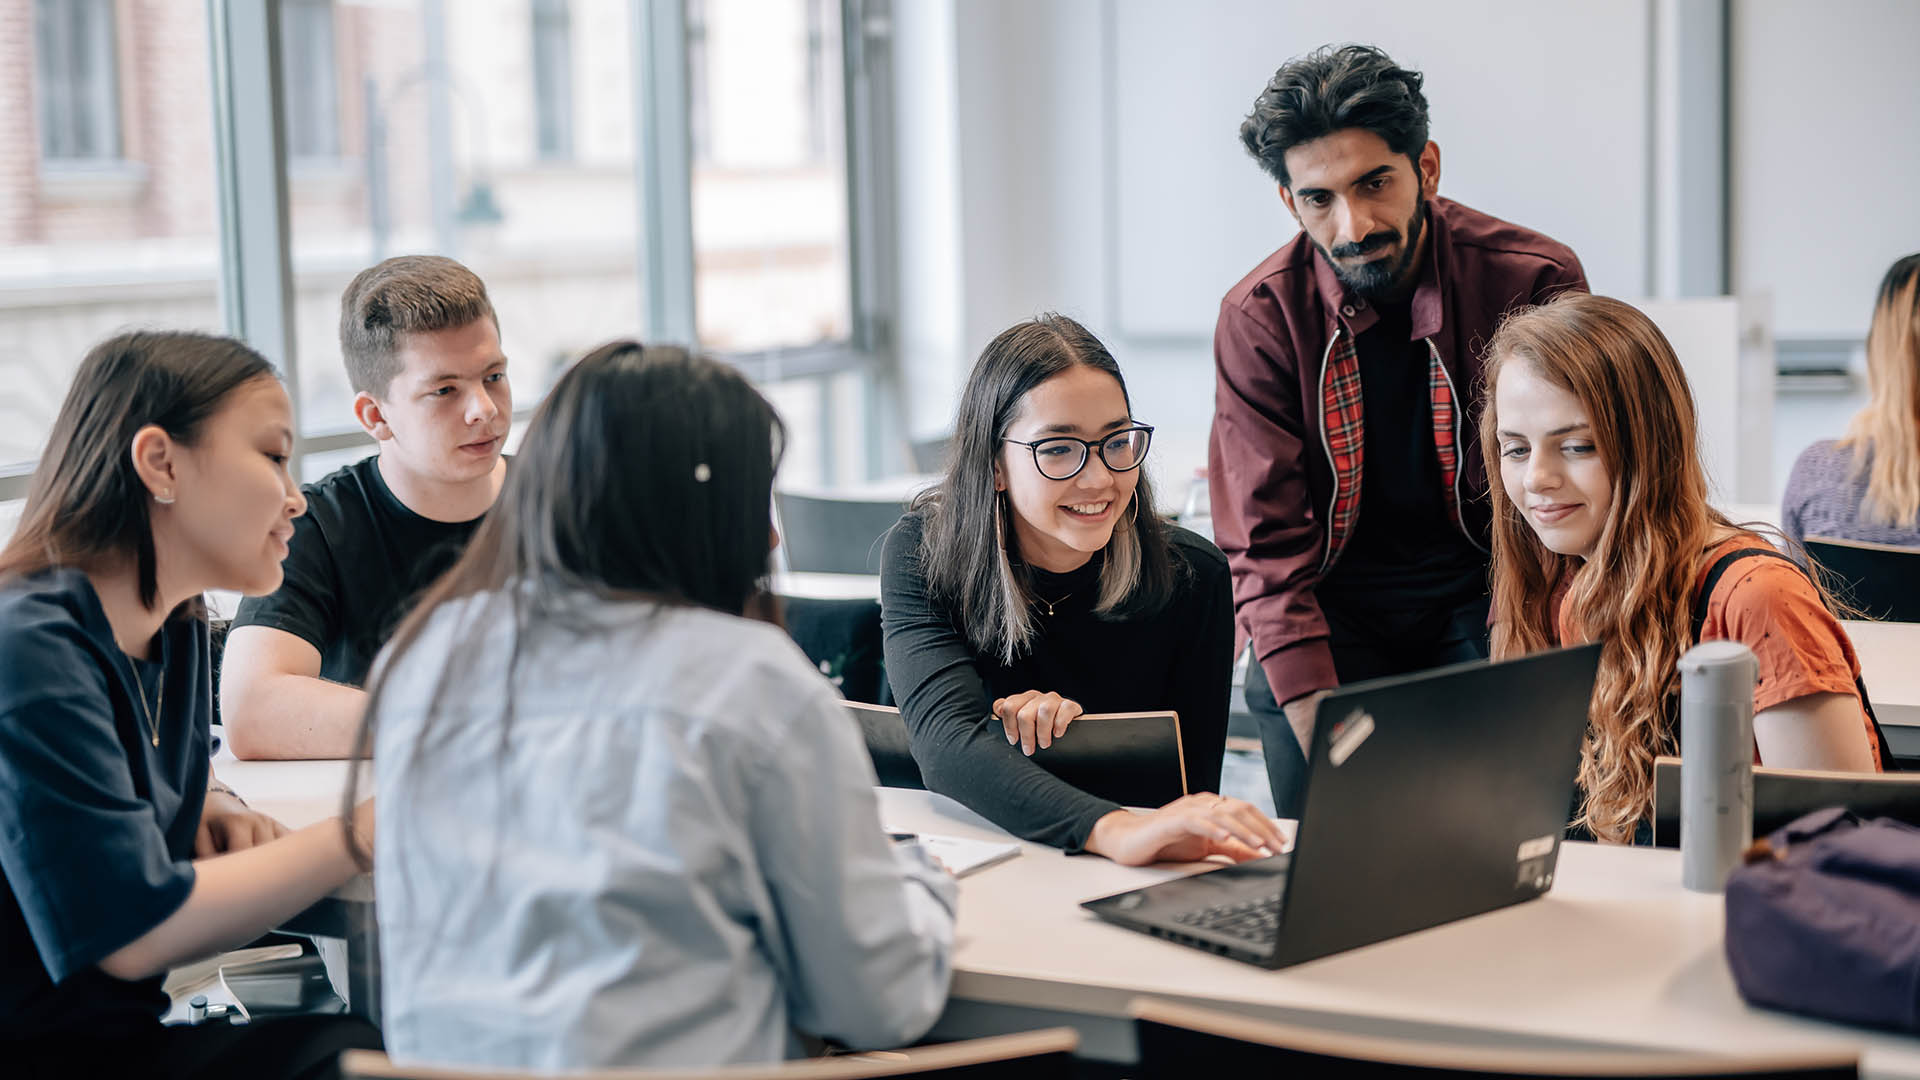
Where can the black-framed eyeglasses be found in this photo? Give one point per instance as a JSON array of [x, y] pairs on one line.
[[1061, 457]]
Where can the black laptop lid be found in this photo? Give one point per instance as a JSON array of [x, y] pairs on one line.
[[1435, 796]]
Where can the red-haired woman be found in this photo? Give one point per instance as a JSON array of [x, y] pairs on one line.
[[1602, 532]]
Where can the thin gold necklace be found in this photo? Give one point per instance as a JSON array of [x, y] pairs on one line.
[[159, 699], [1048, 604]]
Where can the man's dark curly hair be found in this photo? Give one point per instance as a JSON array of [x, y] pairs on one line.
[[1330, 89]]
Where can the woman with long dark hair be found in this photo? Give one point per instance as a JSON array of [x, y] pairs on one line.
[[1602, 532], [165, 476], [1035, 583], [624, 821]]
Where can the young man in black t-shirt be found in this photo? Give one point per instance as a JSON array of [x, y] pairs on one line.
[[422, 348]]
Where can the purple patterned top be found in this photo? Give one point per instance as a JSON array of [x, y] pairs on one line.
[[1823, 498]]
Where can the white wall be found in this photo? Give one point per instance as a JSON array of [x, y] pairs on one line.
[[1100, 174], [1195, 213], [1824, 161], [927, 176], [1092, 147]]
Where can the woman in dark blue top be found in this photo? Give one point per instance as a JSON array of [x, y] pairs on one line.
[[165, 476]]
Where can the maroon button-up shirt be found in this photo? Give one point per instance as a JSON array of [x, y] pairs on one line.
[[1285, 458]]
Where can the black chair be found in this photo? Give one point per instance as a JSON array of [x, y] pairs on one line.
[[834, 536], [886, 738], [1135, 759], [1879, 580], [929, 455], [842, 638], [1781, 795], [1173, 1038]]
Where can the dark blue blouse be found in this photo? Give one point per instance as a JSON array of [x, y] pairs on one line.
[[96, 822]]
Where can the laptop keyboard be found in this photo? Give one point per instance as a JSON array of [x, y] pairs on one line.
[[1255, 921]]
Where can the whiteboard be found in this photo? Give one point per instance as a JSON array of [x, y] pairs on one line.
[[1541, 113]]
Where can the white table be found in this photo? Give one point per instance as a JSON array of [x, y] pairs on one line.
[[1617, 955]]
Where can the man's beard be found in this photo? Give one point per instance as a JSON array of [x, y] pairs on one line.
[[1380, 278]]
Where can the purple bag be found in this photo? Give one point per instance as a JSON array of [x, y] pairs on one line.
[[1827, 923]]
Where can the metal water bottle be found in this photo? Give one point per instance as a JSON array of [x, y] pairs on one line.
[[1716, 761]]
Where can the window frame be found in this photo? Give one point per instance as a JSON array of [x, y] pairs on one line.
[[100, 96], [256, 272], [551, 39]]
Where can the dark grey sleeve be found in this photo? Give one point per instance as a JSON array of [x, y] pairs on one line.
[[961, 748]]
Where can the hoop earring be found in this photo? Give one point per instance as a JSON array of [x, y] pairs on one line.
[[1134, 505]]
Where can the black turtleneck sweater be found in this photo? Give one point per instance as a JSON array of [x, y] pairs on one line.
[[1179, 658]]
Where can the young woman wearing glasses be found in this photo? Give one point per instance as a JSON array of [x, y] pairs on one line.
[[1035, 583]]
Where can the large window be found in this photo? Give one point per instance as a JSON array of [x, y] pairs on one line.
[[311, 99], [534, 140], [553, 78], [105, 222], [75, 85], [770, 231], [453, 161]]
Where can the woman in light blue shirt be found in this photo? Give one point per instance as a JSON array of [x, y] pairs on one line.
[[628, 823]]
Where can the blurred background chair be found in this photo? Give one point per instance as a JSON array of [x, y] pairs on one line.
[[824, 534], [842, 638], [1781, 795], [1880, 581]]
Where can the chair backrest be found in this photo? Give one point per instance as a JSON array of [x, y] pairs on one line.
[[1031, 1055], [820, 534], [1174, 1037], [1135, 759], [1781, 795], [929, 455], [886, 737], [1879, 580], [842, 638]]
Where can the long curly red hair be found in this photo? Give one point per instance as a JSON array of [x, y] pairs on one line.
[[1635, 592]]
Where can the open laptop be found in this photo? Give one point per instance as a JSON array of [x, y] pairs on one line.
[[1430, 797]]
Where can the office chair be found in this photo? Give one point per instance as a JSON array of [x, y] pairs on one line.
[[1879, 580], [842, 638], [821, 534], [1781, 795]]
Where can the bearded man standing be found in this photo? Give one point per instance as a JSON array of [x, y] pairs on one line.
[[1348, 490]]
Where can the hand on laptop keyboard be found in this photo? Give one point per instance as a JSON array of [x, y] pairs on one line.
[[1186, 830]]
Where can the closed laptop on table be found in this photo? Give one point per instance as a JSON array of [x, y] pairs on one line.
[[1135, 759]]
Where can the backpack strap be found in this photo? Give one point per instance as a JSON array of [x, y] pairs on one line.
[[1719, 569]]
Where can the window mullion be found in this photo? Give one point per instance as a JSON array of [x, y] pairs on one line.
[[256, 265], [663, 174]]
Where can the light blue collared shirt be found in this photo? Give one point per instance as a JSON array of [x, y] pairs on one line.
[[670, 854]]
